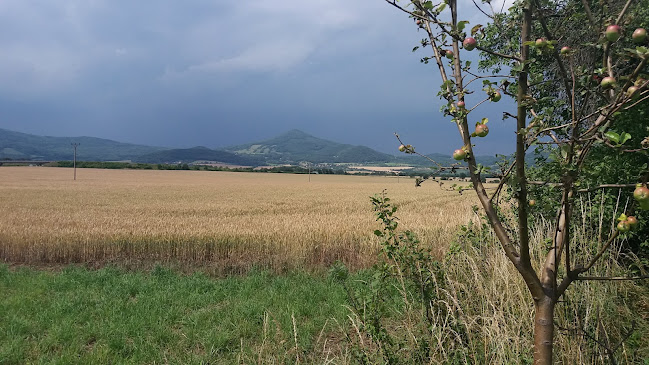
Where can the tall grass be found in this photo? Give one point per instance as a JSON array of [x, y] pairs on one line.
[[497, 311], [481, 312], [230, 222]]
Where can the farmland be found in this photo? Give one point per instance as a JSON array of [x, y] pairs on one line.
[[280, 230], [230, 222]]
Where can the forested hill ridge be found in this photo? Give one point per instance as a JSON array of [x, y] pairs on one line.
[[23, 146], [292, 147], [295, 146], [200, 153]]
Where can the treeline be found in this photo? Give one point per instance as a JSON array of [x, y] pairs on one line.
[[185, 166], [105, 165], [271, 169]]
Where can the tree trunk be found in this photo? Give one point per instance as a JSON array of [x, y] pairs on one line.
[[543, 331]]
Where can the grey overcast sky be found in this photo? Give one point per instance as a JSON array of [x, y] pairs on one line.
[[223, 72]]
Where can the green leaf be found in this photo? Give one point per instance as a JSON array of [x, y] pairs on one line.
[[564, 151], [518, 67], [475, 29], [428, 5], [462, 24], [625, 137], [614, 137]]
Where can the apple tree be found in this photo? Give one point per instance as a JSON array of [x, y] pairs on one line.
[[576, 70]]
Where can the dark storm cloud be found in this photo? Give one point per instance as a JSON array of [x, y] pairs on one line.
[[216, 73]]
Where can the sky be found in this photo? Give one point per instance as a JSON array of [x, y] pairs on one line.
[[217, 73]]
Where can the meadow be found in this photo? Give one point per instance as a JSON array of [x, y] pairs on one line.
[[225, 221], [113, 316]]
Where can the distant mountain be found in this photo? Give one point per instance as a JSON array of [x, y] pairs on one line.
[[289, 148], [188, 155], [16, 145], [296, 146]]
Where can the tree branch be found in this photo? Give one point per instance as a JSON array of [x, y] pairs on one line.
[[521, 124]]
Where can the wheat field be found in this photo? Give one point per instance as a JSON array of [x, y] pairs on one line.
[[229, 221]]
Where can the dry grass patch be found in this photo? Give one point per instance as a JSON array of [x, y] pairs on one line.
[[231, 221]]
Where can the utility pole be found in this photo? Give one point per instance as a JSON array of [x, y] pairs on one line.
[[74, 163]]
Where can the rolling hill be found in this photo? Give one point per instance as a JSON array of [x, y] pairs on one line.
[[296, 146], [23, 146], [291, 147], [188, 155]]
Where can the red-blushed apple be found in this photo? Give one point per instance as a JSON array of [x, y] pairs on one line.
[[565, 50], [449, 54], [633, 221], [623, 226], [608, 82], [459, 154], [460, 104], [481, 130], [613, 32], [532, 202], [469, 43], [632, 91], [641, 193], [541, 42], [639, 35]]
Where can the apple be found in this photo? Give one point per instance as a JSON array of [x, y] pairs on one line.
[[565, 50], [532, 202], [459, 154], [541, 42], [608, 82], [402, 148], [639, 35], [623, 226], [481, 130], [641, 193], [460, 104], [449, 54], [633, 221], [632, 91], [613, 32], [470, 43], [418, 22], [495, 97]]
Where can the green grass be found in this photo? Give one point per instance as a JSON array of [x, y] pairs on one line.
[[113, 316]]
